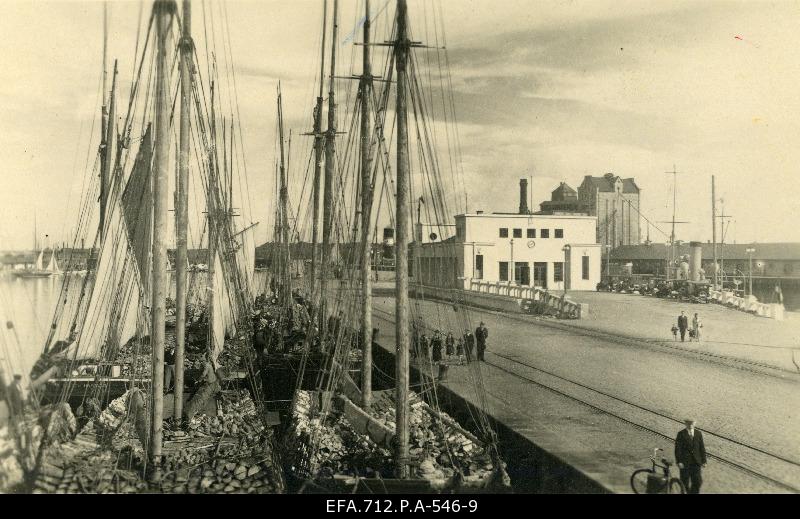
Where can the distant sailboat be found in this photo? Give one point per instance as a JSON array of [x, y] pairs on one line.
[[38, 271], [52, 267]]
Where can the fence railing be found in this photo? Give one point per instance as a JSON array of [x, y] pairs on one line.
[[541, 300], [747, 304]]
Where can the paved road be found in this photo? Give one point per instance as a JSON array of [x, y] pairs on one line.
[[755, 409]]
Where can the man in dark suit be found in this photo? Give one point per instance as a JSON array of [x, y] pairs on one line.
[[481, 333], [683, 324], [690, 455]]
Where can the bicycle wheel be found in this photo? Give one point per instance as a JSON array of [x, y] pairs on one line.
[[676, 486], [639, 480]]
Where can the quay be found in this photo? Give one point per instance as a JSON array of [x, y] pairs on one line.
[[580, 404]]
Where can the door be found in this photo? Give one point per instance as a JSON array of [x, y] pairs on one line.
[[522, 273], [478, 266], [540, 274]]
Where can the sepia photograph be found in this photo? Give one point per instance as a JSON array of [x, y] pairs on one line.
[[399, 255]]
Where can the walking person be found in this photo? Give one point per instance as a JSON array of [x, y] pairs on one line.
[[469, 343], [690, 455], [481, 333], [683, 324], [450, 345], [696, 325]]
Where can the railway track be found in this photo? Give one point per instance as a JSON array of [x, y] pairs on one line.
[[755, 461], [750, 459]]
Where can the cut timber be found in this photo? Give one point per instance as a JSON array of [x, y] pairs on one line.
[[366, 424]]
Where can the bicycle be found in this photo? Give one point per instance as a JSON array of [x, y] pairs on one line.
[[649, 481]]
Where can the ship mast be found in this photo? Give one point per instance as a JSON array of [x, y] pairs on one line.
[[401, 248], [284, 215], [104, 151], [319, 147], [182, 207], [163, 11], [330, 164], [365, 88]]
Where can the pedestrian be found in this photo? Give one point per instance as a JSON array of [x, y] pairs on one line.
[[690, 455], [450, 344], [436, 347], [469, 342], [423, 346], [460, 350], [683, 324], [169, 367], [481, 333], [674, 332], [696, 325]]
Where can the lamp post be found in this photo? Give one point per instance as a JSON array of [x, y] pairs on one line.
[[750, 252], [608, 264], [513, 273], [564, 270]]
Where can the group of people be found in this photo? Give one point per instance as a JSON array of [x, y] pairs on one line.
[[683, 326], [440, 347]]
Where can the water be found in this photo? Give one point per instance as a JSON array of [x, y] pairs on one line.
[[28, 304]]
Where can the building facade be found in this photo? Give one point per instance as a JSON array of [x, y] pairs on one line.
[[615, 202], [555, 252]]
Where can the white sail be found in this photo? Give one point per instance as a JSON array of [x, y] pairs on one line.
[[223, 319], [53, 265], [40, 261]]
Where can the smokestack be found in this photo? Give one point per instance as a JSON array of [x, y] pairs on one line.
[[523, 196], [695, 261]]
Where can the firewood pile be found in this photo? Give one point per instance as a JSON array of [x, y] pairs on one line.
[[439, 446], [228, 453], [333, 447]]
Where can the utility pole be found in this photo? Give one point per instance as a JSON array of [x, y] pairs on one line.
[[163, 11], [319, 147], [366, 212], [182, 207], [714, 229], [402, 46], [330, 166]]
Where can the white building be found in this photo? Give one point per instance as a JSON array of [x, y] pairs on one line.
[[556, 252]]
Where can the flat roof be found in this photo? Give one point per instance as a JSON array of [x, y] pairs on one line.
[[529, 216]]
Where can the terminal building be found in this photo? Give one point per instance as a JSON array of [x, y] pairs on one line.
[[556, 252]]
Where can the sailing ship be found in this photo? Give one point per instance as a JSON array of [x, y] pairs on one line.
[[38, 270], [342, 435], [105, 353]]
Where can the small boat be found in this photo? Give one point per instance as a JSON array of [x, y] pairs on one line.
[[37, 271]]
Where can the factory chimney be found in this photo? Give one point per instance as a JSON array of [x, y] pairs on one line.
[[523, 196]]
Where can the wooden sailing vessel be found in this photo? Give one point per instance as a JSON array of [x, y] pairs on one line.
[[343, 436], [107, 352]]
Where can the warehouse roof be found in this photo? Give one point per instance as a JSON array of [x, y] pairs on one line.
[[763, 251]]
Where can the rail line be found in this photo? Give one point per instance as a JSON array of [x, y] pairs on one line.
[[649, 429], [731, 442]]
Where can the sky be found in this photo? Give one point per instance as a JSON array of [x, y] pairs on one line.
[[552, 90]]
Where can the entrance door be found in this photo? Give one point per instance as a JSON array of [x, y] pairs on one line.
[[540, 274], [522, 273]]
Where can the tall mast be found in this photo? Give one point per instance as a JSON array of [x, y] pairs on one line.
[[163, 12], [284, 215], [212, 226], [182, 206], [319, 146], [714, 227], [401, 247], [330, 164], [105, 156], [366, 211]]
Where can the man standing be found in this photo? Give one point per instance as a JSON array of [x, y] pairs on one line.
[[683, 324], [690, 455], [481, 333], [17, 396], [469, 343]]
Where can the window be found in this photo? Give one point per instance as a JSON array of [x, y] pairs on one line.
[[503, 271], [559, 233], [517, 233], [531, 233], [558, 271], [478, 266], [544, 233], [503, 232], [585, 266]]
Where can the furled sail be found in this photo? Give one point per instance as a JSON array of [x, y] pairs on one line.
[[116, 311]]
